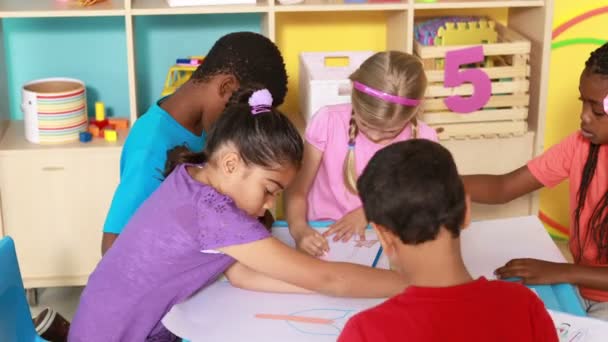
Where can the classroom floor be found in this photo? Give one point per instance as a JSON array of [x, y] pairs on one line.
[[65, 299]]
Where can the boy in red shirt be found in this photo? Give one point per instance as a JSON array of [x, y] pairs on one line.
[[415, 200]]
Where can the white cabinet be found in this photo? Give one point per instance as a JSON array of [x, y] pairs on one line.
[[53, 203]]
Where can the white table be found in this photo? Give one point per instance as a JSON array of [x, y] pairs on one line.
[[223, 313]]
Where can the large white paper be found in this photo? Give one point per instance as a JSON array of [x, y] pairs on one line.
[[224, 313], [487, 245], [355, 251], [579, 329]]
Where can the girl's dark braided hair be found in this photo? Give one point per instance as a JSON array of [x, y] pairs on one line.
[[598, 222]]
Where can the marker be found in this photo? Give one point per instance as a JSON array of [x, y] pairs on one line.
[[313, 224], [377, 258]]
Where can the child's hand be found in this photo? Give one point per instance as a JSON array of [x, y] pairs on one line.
[[533, 271], [311, 242], [352, 223]]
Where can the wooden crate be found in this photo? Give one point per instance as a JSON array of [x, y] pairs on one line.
[[506, 112]]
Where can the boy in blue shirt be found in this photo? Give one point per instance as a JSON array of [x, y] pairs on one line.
[[183, 118]]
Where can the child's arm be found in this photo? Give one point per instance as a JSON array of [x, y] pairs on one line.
[[534, 271], [107, 241], [500, 189], [306, 238], [245, 278], [276, 260]]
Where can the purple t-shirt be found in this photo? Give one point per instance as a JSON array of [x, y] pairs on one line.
[[164, 255]]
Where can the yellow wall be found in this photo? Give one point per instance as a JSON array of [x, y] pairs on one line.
[[563, 107]]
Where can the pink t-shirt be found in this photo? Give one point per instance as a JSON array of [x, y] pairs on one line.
[[328, 197], [566, 160]]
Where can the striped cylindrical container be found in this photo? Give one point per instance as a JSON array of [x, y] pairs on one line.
[[54, 110]]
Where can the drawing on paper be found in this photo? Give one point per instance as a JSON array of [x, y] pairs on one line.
[[366, 243], [567, 334], [326, 322], [357, 250]]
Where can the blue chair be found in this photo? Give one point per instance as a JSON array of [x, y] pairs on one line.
[[15, 318]]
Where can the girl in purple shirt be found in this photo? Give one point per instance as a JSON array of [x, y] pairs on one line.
[[201, 223]]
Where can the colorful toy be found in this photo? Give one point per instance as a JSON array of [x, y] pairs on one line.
[[180, 73], [110, 135], [102, 126], [85, 137], [119, 123], [451, 31], [95, 131], [85, 3], [100, 116], [447, 31]]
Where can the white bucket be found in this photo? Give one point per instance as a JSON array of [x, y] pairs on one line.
[[54, 110]]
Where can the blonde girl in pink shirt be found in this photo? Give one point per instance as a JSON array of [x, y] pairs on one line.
[[387, 94]]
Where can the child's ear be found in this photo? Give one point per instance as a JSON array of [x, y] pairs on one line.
[[228, 85], [230, 162], [387, 239], [467, 214]]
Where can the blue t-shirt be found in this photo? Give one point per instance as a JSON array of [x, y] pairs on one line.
[[143, 161]]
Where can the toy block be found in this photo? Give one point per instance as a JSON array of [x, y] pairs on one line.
[[110, 135], [95, 131], [100, 111], [119, 123], [100, 124], [85, 137]]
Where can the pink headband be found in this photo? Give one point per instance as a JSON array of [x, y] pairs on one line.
[[404, 101]]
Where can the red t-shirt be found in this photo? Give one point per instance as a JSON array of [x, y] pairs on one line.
[[481, 310]]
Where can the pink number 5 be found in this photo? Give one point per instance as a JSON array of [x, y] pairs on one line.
[[482, 86]]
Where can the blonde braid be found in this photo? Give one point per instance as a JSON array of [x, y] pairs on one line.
[[350, 174], [414, 123]]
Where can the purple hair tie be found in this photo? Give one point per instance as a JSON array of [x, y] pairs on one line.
[[260, 102], [404, 101]]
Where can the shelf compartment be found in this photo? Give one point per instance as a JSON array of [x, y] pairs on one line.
[[473, 4], [92, 50], [160, 40], [339, 5], [160, 7], [54, 8]]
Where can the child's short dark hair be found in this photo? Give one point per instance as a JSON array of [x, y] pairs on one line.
[[266, 139], [413, 188], [251, 58]]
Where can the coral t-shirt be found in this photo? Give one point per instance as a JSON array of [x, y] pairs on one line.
[[566, 160], [328, 197]]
